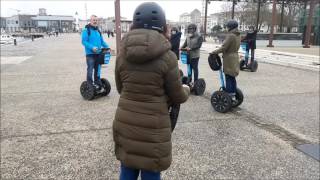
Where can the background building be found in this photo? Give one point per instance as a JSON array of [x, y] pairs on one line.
[[19, 23], [47, 23], [3, 24]]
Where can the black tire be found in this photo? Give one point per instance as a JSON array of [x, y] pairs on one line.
[[186, 80], [254, 66], [242, 64], [199, 87], [181, 73], [221, 101], [106, 85], [174, 114], [87, 90], [239, 98]]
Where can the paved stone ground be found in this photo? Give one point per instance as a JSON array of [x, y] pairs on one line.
[[313, 50], [49, 131]]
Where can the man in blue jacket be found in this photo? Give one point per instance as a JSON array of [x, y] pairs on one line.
[[93, 41]]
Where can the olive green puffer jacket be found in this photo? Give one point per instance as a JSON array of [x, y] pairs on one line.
[[147, 77]]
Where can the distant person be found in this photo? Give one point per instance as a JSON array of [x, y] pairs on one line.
[[175, 40], [193, 44], [112, 34], [93, 41], [250, 39], [147, 77], [108, 32], [231, 65]]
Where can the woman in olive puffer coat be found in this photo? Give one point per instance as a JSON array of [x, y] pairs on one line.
[[147, 77]]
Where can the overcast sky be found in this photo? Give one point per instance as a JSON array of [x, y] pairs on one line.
[[102, 8]]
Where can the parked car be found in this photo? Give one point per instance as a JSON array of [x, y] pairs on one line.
[[6, 39]]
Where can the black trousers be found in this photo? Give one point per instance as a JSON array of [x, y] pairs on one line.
[[194, 67]]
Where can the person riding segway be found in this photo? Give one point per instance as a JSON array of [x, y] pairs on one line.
[[249, 43], [95, 49], [190, 55], [231, 67]]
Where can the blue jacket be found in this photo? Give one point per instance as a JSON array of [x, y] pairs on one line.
[[94, 40]]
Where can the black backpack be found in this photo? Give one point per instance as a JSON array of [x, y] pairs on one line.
[[214, 62]]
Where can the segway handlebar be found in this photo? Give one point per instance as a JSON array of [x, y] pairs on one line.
[[184, 49], [104, 50]]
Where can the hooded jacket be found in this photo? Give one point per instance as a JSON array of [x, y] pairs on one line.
[[95, 39], [147, 77], [229, 49], [175, 43], [194, 43]]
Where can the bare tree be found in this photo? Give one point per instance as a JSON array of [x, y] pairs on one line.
[[226, 11]]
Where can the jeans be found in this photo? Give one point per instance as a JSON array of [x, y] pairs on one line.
[[92, 64], [194, 67], [127, 173], [252, 55], [231, 84]]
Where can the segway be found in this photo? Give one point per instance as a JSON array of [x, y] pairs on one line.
[[221, 101], [253, 66], [199, 85], [90, 91]]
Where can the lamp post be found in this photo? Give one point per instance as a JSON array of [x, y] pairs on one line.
[[118, 24]]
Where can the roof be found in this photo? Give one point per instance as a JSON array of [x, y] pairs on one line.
[[53, 18], [195, 11], [185, 14]]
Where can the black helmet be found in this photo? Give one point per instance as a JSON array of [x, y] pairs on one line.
[[232, 24], [149, 15], [192, 28]]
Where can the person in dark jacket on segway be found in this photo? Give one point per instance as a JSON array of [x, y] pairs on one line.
[[93, 41], [250, 39], [229, 49], [175, 40], [193, 44]]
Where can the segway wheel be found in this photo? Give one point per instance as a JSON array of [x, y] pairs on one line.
[[181, 73], [221, 101], [199, 87], [239, 98], [87, 90], [174, 114], [254, 66], [106, 85], [242, 64], [186, 80]]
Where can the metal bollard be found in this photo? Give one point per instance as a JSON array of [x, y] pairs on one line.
[[15, 41]]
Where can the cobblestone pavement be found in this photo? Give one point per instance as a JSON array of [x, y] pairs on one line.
[[49, 132]]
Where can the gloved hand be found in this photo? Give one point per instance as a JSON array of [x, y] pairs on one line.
[[186, 88]]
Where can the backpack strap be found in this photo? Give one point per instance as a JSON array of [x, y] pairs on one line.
[[89, 30]]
